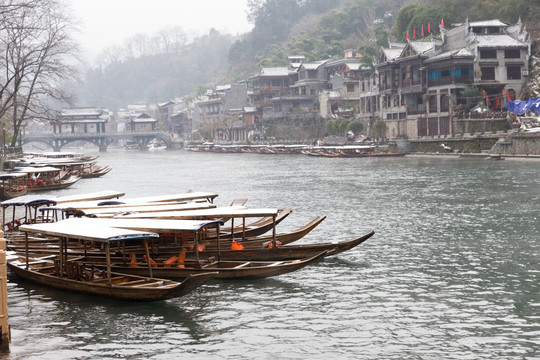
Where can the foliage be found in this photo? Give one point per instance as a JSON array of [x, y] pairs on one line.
[[337, 126], [415, 15], [472, 96], [37, 55], [356, 127], [379, 129]]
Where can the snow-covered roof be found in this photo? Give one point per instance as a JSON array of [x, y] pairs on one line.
[[421, 47], [81, 112], [459, 53], [493, 22], [313, 65], [143, 120], [223, 87], [274, 71], [497, 41], [392, 54]]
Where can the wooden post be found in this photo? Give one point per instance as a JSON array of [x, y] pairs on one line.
[[5, 332]]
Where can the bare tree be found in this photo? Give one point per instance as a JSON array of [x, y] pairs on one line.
[[38, 56]]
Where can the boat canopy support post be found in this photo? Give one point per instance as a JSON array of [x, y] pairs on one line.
[[108, 256], [274, 230], [148, 261], [218, 243], [26, 250]]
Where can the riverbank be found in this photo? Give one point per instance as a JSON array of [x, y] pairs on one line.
[[526, 157]]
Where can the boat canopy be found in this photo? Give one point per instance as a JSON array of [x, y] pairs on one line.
[[176, 197], [36, 169], [84, 229], [29, 200], [114, 209], [150, 225], [11, 176], [99, 195], [224, 212]]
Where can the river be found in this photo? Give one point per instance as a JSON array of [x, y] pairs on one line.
[[452, 271]]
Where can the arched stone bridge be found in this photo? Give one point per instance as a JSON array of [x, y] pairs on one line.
[[101, 140]]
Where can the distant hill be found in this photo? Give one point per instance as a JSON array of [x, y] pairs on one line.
[[317, 29]]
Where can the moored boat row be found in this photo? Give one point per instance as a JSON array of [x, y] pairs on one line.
[[45, 172], [325, 151], [78, 253]]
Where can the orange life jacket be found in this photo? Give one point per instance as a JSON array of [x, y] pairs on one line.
[[237, 246], [171, 260], [182, 257], [133, 262], [271, 244]]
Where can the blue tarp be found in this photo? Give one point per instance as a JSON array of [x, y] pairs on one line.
[[519, 107]]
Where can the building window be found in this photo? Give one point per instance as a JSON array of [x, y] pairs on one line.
[[513, 72], [488, 73], [488, 54], [350, 88], [512, 54]]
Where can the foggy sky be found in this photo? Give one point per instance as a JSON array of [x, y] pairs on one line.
[[105, 23]]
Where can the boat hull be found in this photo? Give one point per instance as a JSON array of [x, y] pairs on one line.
[[152, 292]]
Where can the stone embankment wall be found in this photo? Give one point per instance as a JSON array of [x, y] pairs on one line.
[[519, 144], [454, 145], [513, 144]]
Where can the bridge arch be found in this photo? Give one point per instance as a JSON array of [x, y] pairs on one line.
[[101, 140]]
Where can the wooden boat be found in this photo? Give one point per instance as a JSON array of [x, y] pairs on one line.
[[120, 209], [225, 269], [257, 242], [30, 203], [269, 218], [168, 236], [12, 185], [173, 267], [287, 252], [59, 271], [92, 280], [350, 151], [34, 206], [46, 178]]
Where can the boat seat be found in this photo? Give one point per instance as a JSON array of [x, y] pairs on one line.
[[242, 265], [209, 264], [276, 263]]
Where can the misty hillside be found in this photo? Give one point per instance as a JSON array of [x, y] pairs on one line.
[[317, 29]]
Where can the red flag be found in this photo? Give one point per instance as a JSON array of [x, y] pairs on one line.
[[422, 30], [414, 33], [508, 98], [428, 27], [407, 37], [442, 23], [487, 100]]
